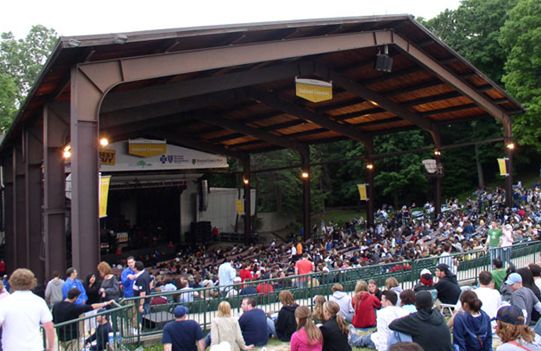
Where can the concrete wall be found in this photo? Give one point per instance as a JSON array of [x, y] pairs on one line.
[[273, 221]]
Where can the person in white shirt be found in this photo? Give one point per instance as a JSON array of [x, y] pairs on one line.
[[388, 313], [22, 313], [226, 274], [507, 243], [536, 272]]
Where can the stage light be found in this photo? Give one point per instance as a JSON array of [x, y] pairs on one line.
[[66, 154], [384, 62], [305, 175], [370, 166], [437, 152], [245, 180], [104, 141], [510, 146]]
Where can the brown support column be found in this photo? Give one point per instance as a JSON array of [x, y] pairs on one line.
[[247, 199], [33, 147], [509, 147], [55, 130], [19, 201], [439, 172], [9, 204], [305, 178], [369, 145], [85, 239]]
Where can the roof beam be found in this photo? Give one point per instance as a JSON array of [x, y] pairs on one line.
[[253, 132], [381, 100], [301, 112]]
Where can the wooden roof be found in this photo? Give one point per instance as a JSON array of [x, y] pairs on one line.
[[268, 106]]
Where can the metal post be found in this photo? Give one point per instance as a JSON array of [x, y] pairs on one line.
[[55, 131], [439, 171], [32, 164], [19, 201], [509, 147], [85, 239], [247, 199], [10, 247], [305, 178], [369, 146]]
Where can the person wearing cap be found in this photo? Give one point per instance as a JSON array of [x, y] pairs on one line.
[[514, 334], [426, 327], [182, 334], [426, 281], [447, 285], [523, 297]]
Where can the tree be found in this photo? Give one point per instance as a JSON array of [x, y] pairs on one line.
[[21, 62], [521, 38]]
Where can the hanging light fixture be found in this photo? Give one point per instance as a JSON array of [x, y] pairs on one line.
[[384, 62]]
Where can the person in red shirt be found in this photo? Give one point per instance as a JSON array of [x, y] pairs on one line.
[[265, 287], [303, 266], [365, 314], [245, 272]]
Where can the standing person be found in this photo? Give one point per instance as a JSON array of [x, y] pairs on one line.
[[224, 327], [22, 314], [128, 276], [67, 310], [253, 323], [226, 276], [307, 337], [472, 330], [182, 334], [53, 290], [302, 267], [365, 315], [389, 312], [92, 288], [447, 285], [494, 241], [343, 300], [334, 330], [286, 324], [109, 288], [426, 326], [514, 334], [141, 287], [72, 282], [507, 243]]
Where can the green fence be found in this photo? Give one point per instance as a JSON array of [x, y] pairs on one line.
[[132, 327]]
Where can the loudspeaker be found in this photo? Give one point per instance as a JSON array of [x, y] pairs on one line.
[[203, 195], [384, 63]]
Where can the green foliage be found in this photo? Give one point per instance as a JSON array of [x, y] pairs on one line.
[[20, 64], [521, 38], [473, 31]]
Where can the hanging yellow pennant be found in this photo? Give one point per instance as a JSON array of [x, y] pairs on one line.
[[239, 205], [104, 194], [502, 162], [362, 192]]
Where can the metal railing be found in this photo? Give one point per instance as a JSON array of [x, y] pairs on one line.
[[133, 326]]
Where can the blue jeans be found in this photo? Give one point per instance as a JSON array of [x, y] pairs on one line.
[[506, 254], [397, 337], [361, 340], [495, 252]]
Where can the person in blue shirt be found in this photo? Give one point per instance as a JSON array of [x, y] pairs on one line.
[[182, 333], [471, 327], [253, 323], [72, 282], [127, 277]]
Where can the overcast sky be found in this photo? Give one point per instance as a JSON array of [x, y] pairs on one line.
[[75, 17]]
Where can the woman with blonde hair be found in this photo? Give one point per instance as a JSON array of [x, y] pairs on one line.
[[224, 327], [365, 315], [307, 337], [109, 288], [317, 315], [392, 284], [285, 323], [335, 330], [514, 334]]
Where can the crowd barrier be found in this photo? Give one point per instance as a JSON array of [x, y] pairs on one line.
[[130, 327]]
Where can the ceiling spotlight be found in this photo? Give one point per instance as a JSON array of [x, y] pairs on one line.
[[66, 154], [384, 62]]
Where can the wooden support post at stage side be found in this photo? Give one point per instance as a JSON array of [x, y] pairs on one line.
[[247, 199], [509, 147], [305, 178], [19, 203], [32, 165], [11, 239], [439, 172], [370, 169], [55, 131]]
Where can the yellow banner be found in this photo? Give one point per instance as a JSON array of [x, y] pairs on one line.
[[502, 162], [107, 157], [104, 194], [313, 90], [239, 205], [147, 149], [362, 192]]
